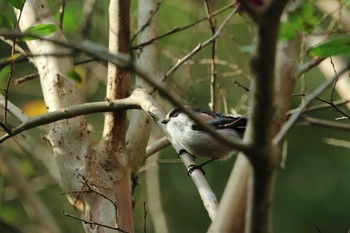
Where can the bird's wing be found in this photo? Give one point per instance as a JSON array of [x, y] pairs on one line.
[[221, 121], [235, 123]]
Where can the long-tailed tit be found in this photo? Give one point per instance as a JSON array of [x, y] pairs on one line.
[[197, 141]]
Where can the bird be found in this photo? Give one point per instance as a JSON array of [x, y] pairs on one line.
[[195, 140]]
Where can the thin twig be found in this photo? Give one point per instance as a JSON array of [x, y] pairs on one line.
[[147, 22], [61, 11], [92, 223], [12, 64], [36, 74], [27, 77], [177, 29], [281, 134], [212, 23], [239, 84], [326, 105], [308, 66], [334, 106], [198, 47], [95, 190], [327, 123]]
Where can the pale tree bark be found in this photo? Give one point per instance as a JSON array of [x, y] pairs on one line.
[[95, 177], [113, 155], [68, 138], [140, 123]]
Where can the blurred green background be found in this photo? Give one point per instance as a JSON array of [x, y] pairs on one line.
[[311, 191]]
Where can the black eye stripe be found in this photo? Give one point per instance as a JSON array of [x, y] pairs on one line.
[[174, 112]]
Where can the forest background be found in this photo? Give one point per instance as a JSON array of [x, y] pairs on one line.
[[311, 191]]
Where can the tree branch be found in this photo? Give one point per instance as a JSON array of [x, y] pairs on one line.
[[200, 46], [286, 127], [327, 124], [262, 153], [177, 29], [71, 112], [94, 223], [157, 146], [113, 156], [212, 23], [140, 124]]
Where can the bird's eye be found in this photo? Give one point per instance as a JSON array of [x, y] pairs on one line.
[[174, 113]]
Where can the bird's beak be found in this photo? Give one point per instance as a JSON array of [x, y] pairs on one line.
[[165, 121]]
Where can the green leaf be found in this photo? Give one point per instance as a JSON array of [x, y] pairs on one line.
[[5, 21], [4, 74], [39, 30], [332, 47], [17, 3], [74, 75], [302, 19]]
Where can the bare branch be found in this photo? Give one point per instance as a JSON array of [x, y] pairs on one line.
[[259, 133], [91, 188], [147, 23], [70, 112], [308, 66], [327, 123], [26, 78], [281, 134], [13, 109], [61, 11], [93, 223], [12, 64], [212, 23], [157, 146], [199, 47], [140, 125], [177, 29]]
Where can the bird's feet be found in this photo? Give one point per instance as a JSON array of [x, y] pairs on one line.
[[181, 151], [193, 167]]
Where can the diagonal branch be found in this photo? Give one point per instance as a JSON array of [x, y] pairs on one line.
[[282, 133], [200, 46], [178, 29]]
